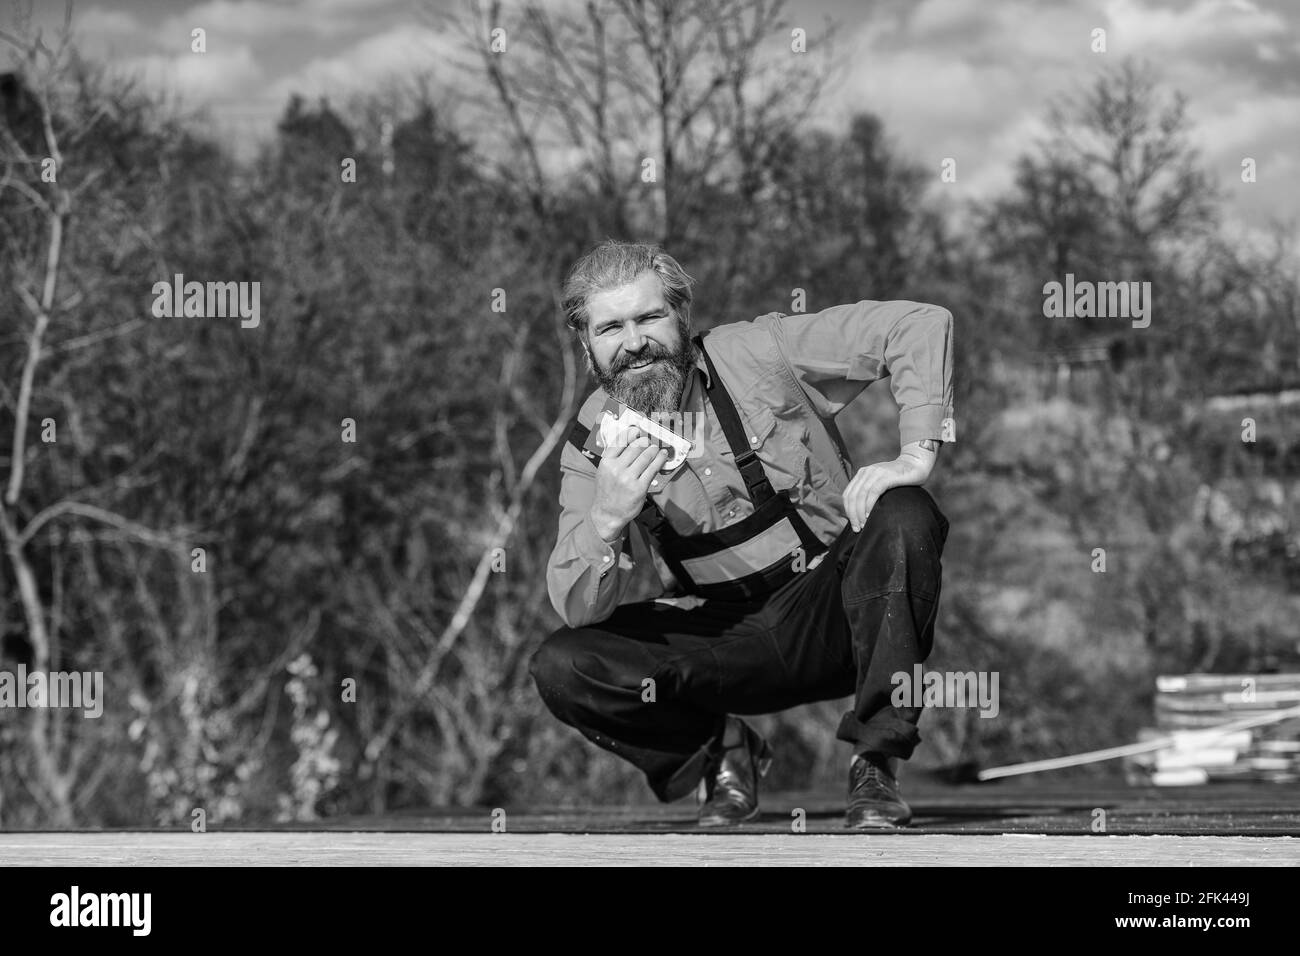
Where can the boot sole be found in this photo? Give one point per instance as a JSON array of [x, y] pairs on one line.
[[877, 822], [727, 822]]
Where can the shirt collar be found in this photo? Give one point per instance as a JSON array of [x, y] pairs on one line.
[[703, 366], [696, 379]]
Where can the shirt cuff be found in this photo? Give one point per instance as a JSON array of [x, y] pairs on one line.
[[922, 421], [592, 548]]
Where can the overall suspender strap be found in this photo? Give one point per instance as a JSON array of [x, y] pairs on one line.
[[751, 469], [578, 439]]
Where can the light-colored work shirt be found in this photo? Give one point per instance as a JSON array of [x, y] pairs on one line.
[[789, 376]]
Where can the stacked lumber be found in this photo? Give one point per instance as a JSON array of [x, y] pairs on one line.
[[1188, 704]]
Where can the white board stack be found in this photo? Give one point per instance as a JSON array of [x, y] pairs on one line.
[[1188, 704]]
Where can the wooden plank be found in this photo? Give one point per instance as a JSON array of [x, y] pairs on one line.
[[1020, 805], [626, 849]]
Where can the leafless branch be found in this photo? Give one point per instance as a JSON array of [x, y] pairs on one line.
[[132, 528], [501, 534], [94, 338]]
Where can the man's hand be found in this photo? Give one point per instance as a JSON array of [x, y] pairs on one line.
[[622, 481], [911, 467]]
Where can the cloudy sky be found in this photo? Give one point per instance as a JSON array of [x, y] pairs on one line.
[[967, 79]]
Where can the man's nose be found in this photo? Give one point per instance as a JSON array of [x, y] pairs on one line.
[[635, 341]]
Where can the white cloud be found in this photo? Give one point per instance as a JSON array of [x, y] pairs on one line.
[[101, 24], [1143, 28], [399, 52], [1265, 128], [199, 78], [265, 19], [963, 79], [972, 79]]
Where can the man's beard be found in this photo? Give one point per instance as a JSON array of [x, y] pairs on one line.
[[658, 389]]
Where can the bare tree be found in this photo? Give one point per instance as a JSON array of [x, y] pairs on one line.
[[48, 191], [699, 91]]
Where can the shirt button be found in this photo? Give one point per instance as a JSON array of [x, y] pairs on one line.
[[605, 559], [707, 472], [753, 439], [731, 513], [654, 482]]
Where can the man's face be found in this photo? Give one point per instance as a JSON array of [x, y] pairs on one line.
[[640, 350]]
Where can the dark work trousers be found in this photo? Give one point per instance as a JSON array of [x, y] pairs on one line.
[[845, 627]]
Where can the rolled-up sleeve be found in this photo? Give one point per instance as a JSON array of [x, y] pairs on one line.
[[587, 578], [836, 353]]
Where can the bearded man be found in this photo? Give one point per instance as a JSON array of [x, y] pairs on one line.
[[762, 572]]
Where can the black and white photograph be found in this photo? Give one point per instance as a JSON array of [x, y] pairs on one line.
[[650, 433]]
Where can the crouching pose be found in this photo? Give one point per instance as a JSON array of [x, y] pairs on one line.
[[755, 570]]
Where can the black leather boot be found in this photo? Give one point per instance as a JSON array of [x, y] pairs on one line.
[[874, 798], [728, 792]]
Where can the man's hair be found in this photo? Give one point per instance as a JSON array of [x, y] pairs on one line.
[[614, 263]]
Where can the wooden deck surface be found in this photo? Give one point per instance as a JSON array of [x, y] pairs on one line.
[[1026, 807], [1029, 823], [307, 848]]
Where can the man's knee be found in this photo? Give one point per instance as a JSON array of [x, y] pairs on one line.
[[904, 530], [899, 548], [551, 665], [907, 514]]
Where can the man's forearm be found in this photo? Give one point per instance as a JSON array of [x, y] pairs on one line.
[[913, 466], [924, 451], [589, 574], [609, 529], [580, 574]]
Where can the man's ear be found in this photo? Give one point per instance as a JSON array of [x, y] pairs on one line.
[[684, 328], [586, 351]]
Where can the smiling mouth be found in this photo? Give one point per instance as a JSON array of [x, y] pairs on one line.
[[637, 366]]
